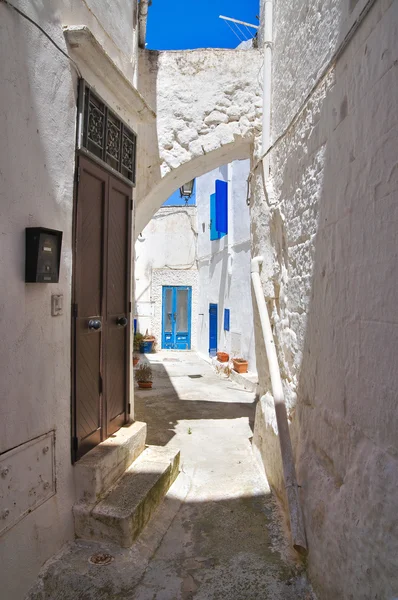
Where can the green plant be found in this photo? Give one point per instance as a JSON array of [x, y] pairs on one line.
[[143, 372], [138, 337], [189, 431]]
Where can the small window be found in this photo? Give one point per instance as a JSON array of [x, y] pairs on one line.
[[219, 211], [226, 319]]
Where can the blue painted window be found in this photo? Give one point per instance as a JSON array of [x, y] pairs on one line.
[[219, 211], [226, 319], [222, 207], [214, 235]]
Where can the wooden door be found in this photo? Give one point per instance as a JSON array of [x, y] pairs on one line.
[[101, 308], [117, 338], [213, 328], [176, 320]]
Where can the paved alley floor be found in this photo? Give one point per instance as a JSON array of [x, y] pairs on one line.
[[216, 536]]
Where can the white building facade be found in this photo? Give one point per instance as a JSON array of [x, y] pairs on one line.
[[175, 250], [166, 267], [224, 267]]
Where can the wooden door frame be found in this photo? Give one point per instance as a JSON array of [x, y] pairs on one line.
[[82, 154]]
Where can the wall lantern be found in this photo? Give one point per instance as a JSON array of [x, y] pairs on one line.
[[186, 190]]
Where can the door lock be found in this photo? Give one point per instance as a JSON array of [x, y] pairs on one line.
[[122, 321]]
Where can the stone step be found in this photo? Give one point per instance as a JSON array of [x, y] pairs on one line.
[[123, 513], [100, 468]]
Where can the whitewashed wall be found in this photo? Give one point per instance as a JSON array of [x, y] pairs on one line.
[[328, 229], [224, 265], [165, 255], [209, 111], [38, 96]]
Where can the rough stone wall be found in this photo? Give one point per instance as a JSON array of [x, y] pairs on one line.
[[330, 227], [209, 108]]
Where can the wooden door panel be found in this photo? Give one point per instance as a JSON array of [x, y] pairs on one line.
[[88, 406], [91, 205], [118, 285], [116, 378], [88, 296], [118, 221]]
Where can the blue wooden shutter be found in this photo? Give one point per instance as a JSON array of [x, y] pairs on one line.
[[214, 235], [222, 207], [226, 319]]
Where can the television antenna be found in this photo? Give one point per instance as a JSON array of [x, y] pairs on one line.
[[239, 27]]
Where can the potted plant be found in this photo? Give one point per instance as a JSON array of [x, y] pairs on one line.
[[143, 376], [222, 356], [135, 360], [138, 337], [147, 343], [240, 365]]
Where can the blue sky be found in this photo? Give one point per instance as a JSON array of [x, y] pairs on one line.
[[185, 24], [176, 200]]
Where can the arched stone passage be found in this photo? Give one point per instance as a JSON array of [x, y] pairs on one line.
[[237, 150], [209, 109]]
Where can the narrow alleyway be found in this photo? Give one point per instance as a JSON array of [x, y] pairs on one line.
[[217, 534]]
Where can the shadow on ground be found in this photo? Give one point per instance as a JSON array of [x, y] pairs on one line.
[[217, 534], [189, 395]]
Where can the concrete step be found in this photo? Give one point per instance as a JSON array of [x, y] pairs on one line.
[[100, 468], [123, 513]]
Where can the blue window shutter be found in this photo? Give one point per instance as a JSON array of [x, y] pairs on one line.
[[226, 319], [214, 235], [222, 207]]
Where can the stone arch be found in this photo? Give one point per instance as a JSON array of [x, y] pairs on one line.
[[209, 109], [237, 150]]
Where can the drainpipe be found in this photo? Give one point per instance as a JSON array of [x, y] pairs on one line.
[[142, 19], [267, 77], [289, 471]]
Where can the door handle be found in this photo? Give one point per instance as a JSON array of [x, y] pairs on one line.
[[121, 321], [94, 324]]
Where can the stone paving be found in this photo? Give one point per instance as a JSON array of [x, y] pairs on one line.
[[217, 535]]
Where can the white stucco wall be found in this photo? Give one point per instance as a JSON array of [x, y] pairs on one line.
[[328, 233], [209, 110], [165, 255], [224, 265], [38, 96]]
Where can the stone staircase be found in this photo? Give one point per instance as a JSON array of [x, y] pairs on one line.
[[119, 484]]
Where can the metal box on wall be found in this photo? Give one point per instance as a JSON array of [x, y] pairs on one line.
[[42, 255]]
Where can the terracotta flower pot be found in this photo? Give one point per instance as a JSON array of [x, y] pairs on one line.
[[240, 365], [222, 356], [136, 360], [145, 385]]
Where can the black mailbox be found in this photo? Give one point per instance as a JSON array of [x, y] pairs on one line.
[[43, 255]]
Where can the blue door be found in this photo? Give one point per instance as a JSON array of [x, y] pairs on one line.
[[213, 325], [176, 322]]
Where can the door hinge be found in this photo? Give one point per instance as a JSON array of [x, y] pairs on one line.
[[131, 204], [74, 310], [129, 307], [75, 444], [100, 383], [128, 408]]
